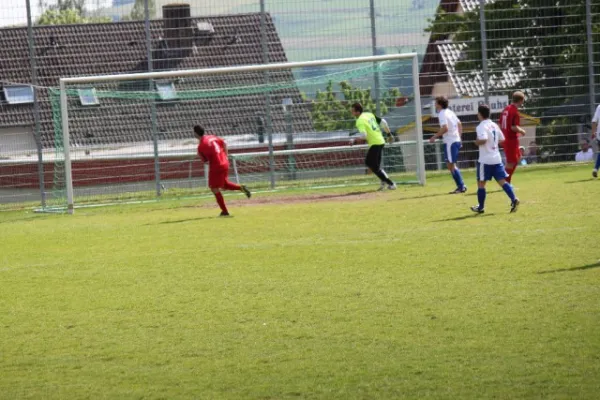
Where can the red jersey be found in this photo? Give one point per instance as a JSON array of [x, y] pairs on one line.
[[508, 119], [212, 150]]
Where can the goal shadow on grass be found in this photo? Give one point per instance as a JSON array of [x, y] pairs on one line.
[[487, 191], [25, 219], [179, 221], [581, 180], [442, 194], [463, 217], [582, 268], [349, 194], [425, 196]]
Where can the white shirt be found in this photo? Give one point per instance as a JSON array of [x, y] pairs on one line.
[[587, 156], [448, 118], [384, 125], [489, 152], [597, 119]]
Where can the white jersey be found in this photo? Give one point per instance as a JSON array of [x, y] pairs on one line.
[[597, 120], [489, 153], [448, 118], [584, 156]]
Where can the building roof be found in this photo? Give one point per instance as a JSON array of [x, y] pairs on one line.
[[472, 5], [443, 55], [113, 48], [470, 83], [433, 69]]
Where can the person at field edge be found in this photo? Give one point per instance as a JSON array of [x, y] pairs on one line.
[[451, 132], [489, 165], [213, 150], [368, 126], [522, 155], [532, 153], [510, 122], [586, 153], [596, 135]]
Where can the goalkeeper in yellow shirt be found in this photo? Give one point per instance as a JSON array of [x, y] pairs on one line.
[[368, 127]]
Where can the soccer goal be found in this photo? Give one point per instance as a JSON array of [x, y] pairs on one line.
[[129, 137]]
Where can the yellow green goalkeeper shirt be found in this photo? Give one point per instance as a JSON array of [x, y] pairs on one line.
[[367, 125]]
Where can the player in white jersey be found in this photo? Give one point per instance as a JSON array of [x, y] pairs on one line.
[[489, 137], [450, 132]]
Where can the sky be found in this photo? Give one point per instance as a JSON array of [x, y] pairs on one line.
[[13, 12]]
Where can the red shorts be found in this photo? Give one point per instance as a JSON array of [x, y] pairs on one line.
[[512, 153], [217, 177]]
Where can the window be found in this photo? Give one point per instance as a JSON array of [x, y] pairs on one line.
[[166, 90], [87, 97], [205, 28], [286, 102], [204, 33], [18, 94]]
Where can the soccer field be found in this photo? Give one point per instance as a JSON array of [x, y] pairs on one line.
[[332, 294]]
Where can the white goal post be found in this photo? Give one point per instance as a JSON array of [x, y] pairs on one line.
[[236, 69]]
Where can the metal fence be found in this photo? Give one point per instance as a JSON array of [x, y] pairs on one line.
[[472, 51]]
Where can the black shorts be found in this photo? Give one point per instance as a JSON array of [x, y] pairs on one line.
[[373, 159]]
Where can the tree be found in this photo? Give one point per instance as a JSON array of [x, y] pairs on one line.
[[548, 41], [62, 5], [138, 12], [330, 113], [66, 17], [545, 40], [78, 5], [66, 12]]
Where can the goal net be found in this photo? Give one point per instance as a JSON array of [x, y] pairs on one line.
[[130, 136]]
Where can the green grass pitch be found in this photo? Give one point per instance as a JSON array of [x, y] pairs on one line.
[[389, 295]]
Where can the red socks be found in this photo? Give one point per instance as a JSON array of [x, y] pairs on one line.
[[221, 202], [219, 196]]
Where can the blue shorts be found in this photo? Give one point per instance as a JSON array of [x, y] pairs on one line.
[[451, 151], [487, 172]]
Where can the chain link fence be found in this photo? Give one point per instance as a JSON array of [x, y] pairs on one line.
[[472, 51]]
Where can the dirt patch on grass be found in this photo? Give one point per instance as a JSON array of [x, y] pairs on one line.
[[294, 199], [307, 198]]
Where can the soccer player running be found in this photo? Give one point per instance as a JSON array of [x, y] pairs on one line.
[[510, 123], [451, 132], [489, 136], [596, 135], [367, 125], [213, 150]]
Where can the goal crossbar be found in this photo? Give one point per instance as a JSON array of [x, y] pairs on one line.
[[240, 68]]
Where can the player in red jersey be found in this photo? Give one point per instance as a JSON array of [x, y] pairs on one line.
[[510, 122], [213, 150]]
